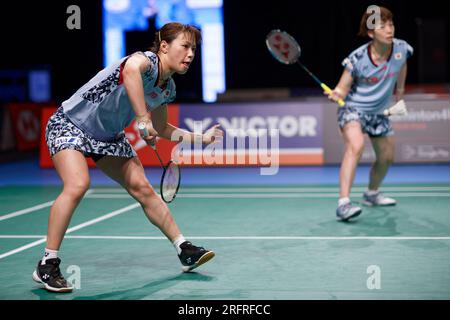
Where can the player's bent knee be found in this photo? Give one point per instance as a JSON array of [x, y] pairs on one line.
[[356, 149], [141, 190], [76, 189]]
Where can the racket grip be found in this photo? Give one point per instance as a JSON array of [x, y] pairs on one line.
[[325, 88], [341, 102], [328, 90], [143, 132]]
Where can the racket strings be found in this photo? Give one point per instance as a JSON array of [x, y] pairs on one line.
[[283, 47], [170, 182]]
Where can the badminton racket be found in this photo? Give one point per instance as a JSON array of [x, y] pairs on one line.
[[171, 176], [286, 50]]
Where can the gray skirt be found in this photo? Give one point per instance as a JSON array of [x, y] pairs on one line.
[[375, 125], [62, 134]]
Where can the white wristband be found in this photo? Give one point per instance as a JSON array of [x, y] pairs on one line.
[[143, 131]]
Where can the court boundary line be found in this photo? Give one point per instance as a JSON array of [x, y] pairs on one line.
[[108, 237], [32, 209], [75, 228], [263, 195], [26, 210], [289, 192], [283, 189]]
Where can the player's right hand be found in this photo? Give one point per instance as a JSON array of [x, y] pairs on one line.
[[333, 95], [152, 136], [148, 133]]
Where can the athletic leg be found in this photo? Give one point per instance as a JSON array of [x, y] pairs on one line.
[[384, 148], [129, 173], [354, 146], [73, 171]]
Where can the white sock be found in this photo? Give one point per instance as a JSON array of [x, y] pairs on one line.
[[343, 201], [371, 192], [49, 254], [176, 243]]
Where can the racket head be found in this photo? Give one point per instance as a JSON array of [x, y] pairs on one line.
[[283, 46], [170, 181]]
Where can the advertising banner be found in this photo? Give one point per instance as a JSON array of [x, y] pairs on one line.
[[25, 119], [286, 133], [420, 136], [146, 154], [256, 133]]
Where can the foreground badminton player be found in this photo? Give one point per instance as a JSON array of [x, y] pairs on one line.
[[91, 124], [367, 84]]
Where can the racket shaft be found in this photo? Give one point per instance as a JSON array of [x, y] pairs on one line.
[[323, 85], [310, 73], [157, 155]]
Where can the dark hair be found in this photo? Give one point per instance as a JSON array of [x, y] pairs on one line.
[[385, 15], [171, 30]]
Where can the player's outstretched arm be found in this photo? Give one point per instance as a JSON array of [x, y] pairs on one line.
[[170, 132], [342, 88]]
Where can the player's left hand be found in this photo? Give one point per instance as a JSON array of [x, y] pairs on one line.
[[212, 134]]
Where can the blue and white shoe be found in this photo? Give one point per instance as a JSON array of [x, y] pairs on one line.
[[347, 211], [378, 199]]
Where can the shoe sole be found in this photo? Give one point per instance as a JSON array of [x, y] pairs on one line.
[[354, 215], [204, 258], [49, 288], [370, 204]]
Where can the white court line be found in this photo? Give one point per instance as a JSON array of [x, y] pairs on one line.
[[31, 209], [264, 195], [238, 237], [284, 189], [27, 210], [21, 236], [77, 227], [118, 193]]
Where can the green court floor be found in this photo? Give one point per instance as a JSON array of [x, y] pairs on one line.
[[271, 242]]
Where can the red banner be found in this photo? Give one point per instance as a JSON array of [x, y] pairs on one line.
[[25, 119], [145, 153]]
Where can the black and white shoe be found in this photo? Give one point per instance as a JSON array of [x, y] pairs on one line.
[[50, 276], [191, 256]]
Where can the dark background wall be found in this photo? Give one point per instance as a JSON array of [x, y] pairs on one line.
[[327, 32], [34, 33]]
